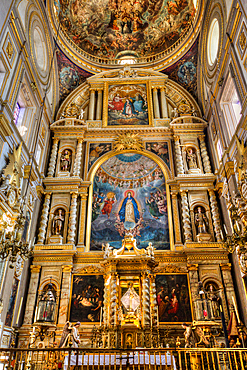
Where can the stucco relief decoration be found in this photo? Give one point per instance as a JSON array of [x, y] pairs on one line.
[[129, 197], [105, 27]]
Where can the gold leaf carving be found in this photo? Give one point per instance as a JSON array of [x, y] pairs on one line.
[[169, 268], [91, 269], [9, 50], [128, 140]]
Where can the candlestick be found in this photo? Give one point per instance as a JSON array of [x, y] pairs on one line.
[[235, 308], [158, 320], [19, 311]]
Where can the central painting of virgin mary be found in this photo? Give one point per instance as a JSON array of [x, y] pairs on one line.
[[127, 105], [129, 196]]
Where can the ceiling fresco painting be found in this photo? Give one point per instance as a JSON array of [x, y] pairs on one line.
[[113, 28], [129, 196], [70, 76]]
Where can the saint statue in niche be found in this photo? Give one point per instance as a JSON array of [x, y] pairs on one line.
[[201, 221], [191, 159], [65, 160], [129, 213], [58, 222]]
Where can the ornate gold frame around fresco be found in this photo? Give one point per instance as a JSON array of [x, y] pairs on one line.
[[70, 296], [127, 82], [90, 177], [191, 305]]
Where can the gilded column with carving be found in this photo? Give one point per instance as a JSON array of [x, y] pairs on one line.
[[215, 215], [65, 291], [91, 105], [178, 156], [153, 300], [204, 154], [44, 219], [72, 219], [31, 297], [52, 164], [77, 166], [145, 300], [186, 217], [82, 219]]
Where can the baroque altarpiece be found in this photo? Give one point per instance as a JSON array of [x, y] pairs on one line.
[[130, 220]]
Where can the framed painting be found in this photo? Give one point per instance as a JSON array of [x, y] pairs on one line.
[[127, 105], [161, 150], [86, 298], [173, 298]]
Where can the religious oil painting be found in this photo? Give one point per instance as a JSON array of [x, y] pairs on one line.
[[86, 298], [127, 105], [111, 28], [161, 150], [173, 298], [12, 300], [129, 196], [96, 151]]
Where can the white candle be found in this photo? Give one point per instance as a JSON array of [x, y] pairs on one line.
[[101, 315], [19, 311], [35, 316], [236, 311], [225, 229]]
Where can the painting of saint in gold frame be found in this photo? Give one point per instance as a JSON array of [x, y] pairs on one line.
[[128, 105], [86, 298], [173, 298]]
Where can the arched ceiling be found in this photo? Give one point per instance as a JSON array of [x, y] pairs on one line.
[[97, 34]]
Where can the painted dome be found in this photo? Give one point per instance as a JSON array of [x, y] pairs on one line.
[[107, 31]]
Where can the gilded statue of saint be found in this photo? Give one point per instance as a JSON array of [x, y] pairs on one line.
[[191, 159], [201, 221], [65, 160], [58, 221]]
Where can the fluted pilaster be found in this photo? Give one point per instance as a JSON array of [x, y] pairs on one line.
[[204, 154], [77, 166], [186, 217], [72, 219], [44, 219], [52, 164]]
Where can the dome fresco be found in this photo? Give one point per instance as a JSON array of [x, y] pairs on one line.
[[115, 28]]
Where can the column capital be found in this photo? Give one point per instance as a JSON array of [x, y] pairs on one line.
[[74, 194], [35, 269], [155, 89], [201, 137], [80, 141], [192, 267], [176, 138], [55, 140], [67, 268], [48, 195], [211, 191], [183, 192], [225, 266]]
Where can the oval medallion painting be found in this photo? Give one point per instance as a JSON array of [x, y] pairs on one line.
[[129, 195], [105, 27]]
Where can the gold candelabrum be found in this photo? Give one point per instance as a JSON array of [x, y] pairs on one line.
[[11, 243]]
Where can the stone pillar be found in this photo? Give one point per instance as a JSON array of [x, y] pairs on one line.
[[179, 159], [44, 219], [65, 294], [82, 218], [52, 164], [153, 300], [164, 111], [77, 165], [186, 217], [156, 104], [204, 154], [91, 105], [113, 299], [227, 278], [177, 230], [32, 292], [215, 215], [145, 300], [99, 105], [193, 279], [72, 219]]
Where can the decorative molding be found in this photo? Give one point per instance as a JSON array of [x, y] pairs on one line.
[[169, 268], [91, 269]]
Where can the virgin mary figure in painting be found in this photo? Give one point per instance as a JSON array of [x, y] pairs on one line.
[[129, 213]]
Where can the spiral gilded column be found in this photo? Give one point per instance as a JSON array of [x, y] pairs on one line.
[[145, 300], [204, 154], [186, 217], [77, 166], [153, 300], [72, 219], [52, 164], [178, 156], [215, 215], [44, 219]]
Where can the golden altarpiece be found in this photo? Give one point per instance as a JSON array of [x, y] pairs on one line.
[[130, 220]]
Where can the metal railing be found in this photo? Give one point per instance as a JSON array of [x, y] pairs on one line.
[[114, 359]]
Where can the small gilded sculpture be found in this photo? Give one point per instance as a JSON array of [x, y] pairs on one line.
[[150, 250], [58, 222], [189, 336], [65, 160], [201, 221], [107, 249], [191, 159]]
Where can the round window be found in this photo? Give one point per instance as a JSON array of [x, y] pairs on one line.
[[213, 41]]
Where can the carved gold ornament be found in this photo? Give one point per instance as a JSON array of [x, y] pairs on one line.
[[14, 168], [128, 140], [9, 50], [241, 159], [242, 40]]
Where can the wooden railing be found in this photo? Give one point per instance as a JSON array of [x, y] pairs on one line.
[[139, 359]]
